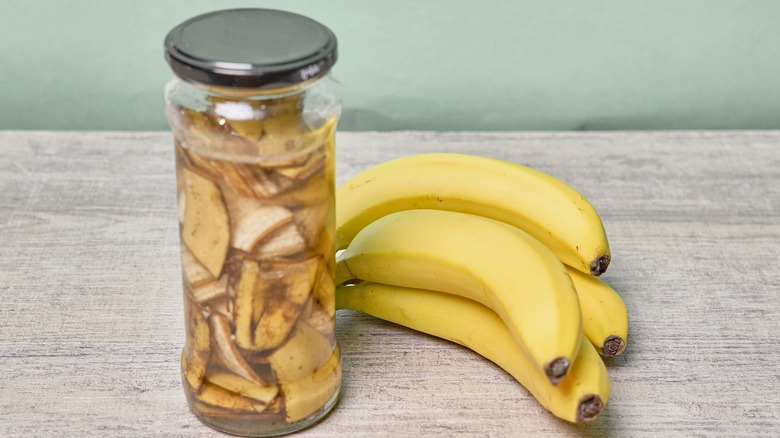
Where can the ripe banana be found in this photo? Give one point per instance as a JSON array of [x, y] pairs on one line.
[[545, 207], [481, 259], [579, 397], [604, 314]]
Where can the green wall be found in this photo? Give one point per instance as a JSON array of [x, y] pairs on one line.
[[428, 64]]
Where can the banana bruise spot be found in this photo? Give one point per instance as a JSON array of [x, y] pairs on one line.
[[589, 407], [556, 369], [613, 346], [599, 266]]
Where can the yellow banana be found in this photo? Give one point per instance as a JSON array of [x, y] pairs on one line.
[[604, 314], [543, 206], [481, 259], [579, 397]]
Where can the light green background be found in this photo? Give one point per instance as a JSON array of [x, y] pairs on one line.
[[428, 64]]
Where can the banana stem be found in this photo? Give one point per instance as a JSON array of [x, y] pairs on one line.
[[556, 369], [589, 407], [599, 266], [613, 346]]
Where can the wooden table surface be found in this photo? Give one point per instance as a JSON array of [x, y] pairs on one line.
[[91, 320]]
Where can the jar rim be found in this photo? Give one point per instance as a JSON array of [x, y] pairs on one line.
[[250, 48]]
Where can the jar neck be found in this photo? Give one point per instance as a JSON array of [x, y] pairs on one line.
[[281, 91]]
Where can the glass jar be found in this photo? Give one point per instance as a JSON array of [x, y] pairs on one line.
[[253, 111]]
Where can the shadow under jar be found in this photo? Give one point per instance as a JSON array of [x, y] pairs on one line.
[[253, 110]]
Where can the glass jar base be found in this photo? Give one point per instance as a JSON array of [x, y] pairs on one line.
[[265, 428]]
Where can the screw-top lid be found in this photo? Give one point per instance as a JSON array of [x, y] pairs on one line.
[[250, 48]]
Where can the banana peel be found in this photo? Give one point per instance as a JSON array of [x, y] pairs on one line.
[[226, 352], [282, 134], [257, 178], [245, 307], [197, 348], [309, 395], [273, 127], [284, 242], [314, 164], [310, 220], [213, 395], [286, 287], [304, 352], [199, 164], [213, 290], [194, 273], [259, 393], [252, 227], [324, 289], [232, 177], [310, 192], [206, 226], [269, 300], [181, 205], [317, 317], [221, 306], [252, 221], [284, 299]]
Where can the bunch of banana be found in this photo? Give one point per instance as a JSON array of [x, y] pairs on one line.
[[497, 257]]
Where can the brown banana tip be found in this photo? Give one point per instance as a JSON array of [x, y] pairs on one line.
[[599, 266], [556, 369], [589, 407], [613, 346]]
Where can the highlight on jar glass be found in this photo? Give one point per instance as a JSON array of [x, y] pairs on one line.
[[253, 109]]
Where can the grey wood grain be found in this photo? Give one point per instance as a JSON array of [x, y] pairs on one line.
[[90, 303]]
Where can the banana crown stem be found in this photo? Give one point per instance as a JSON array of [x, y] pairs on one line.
[[556, 369], [590, 405]]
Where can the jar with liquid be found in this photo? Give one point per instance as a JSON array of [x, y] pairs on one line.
[[253, 109]]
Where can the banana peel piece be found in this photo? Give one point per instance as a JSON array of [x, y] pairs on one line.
[[286, 287], [318, 318], [301, 355], [222, 305], [306, 396], [200, 164], [313, 190], [211, 291], [180, 205], [227, 353], [195, 274], [232, 177], [258, 180], [253, 221], [284, 242], [217, 396], [197, 347], [313, 164], [253, 227], [310, 220], [260, 393], [324, 292], [245, 304], [282, 133], [206, 226]]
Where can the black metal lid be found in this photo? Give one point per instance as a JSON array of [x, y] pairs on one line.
[[250, 48]]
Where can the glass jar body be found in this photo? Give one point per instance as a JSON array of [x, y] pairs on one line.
[[255, 181]]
